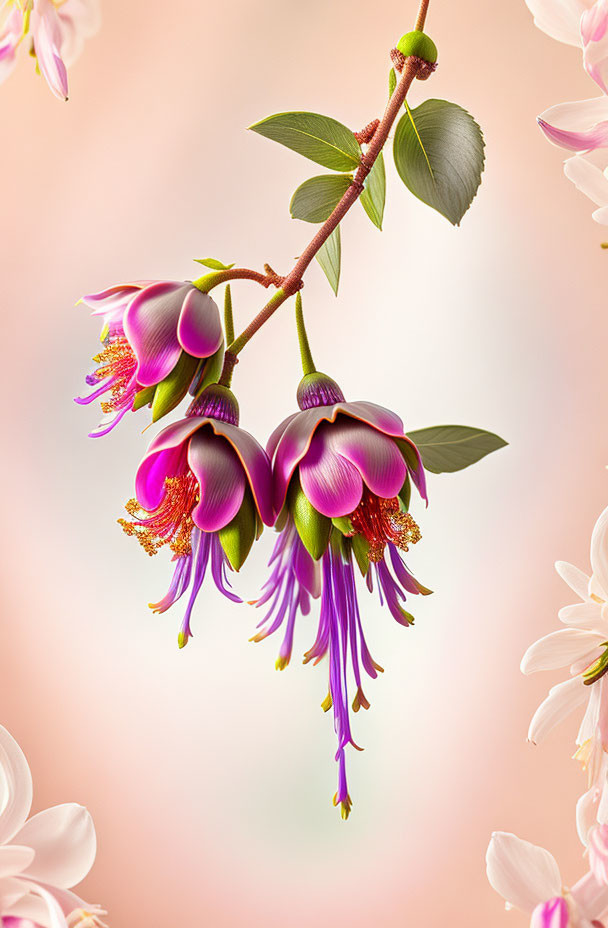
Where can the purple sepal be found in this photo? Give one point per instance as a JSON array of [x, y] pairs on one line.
[[318, 390]]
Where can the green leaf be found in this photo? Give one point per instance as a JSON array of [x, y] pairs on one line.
[[313, 528], [374, 192], [329, 257], [214, 264], [237, 537], [143, 397], [316, 199], [438, 153], [448, 448], [319, 138], [392, 82], [170, 392]]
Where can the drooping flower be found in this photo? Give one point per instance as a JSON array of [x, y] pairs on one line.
[[582, 647], [203, 490], [42, 857], [528, 878], [341, 476], [58, 29], [159, 339]]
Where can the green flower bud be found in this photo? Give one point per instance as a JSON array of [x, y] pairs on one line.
[[237, 537], [313, 528], [419, 44], [171, 391]]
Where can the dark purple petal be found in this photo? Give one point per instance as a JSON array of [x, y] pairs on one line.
[[255, 461], [375, 455], [199, 329], [331, 483], [221, 478]]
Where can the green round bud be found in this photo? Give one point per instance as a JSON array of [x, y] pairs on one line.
[[419, 44]]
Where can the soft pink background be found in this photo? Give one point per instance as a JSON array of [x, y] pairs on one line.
[[209, 775]]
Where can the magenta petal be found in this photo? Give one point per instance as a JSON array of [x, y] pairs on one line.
[[150, 325], [297, 434], [331, 483], [220, 474], [165, 457], [273, 441], [375, 455], [199, 329], [113, 301], [255, 463], [551, 914]]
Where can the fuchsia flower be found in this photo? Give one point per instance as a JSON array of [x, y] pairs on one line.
[[528, 878], [42, 857], [58, 29], [159, 339], [341, 485], [204, 490]]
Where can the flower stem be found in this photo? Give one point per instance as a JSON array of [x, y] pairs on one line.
[[308, 365], [293, 282], [215, 278]]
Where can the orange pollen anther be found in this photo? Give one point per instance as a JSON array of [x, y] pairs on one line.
[[381, 521], [171, 522], [117, 363]]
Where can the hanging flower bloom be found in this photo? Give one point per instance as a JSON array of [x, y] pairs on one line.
[[528, 878], [160, 339], [58, 29], [203, 490], [41, 858], [341, 485], [582, 647]]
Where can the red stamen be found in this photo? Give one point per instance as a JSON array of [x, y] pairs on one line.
[[381, 521]]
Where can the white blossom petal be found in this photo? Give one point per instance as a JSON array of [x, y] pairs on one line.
[[577, 580], [559, 649], [63, 838], [522, 873], [561, 701], [15, 787], [560, 19], [599, 553]]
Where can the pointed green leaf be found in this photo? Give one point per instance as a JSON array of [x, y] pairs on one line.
[[374, 192], [171, 391], [392, 82], [405, 493], [329, 257], [313, 528], [143, 397], [209, 372], [316, 199], [438, 153], [237, 537], [448, 448], [319, 138], [360, 547], [214, 264]]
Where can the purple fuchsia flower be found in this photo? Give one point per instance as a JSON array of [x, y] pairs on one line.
[[160, 338], [58, 29], [341, 476], [204, 490]]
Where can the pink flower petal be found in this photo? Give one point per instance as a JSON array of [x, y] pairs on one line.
[[524, 874], [579, 126], [199, 329], [332, 483], [594, 33], [46, 35], [150, 325], [166, 457], [551, 914], [63, 838], [221, 478], [78, 19], [15, 787], [255, 463], [273, 441], [375, 455]]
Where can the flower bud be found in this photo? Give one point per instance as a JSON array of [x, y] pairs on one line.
[[419, 44]]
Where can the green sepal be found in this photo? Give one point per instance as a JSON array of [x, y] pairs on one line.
[[360, 546], [237, 537], [343, 524], [144, 397], [211, 370], [313, 528], [419, 44], [405, 493], [282, 518], [408, 618], [171, 391]]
